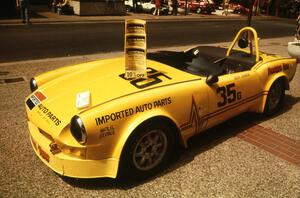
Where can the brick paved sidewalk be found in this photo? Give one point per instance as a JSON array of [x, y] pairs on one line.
[[275, 143]]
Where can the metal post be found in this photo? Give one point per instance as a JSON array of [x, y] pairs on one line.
[[250, 13], [185, 13]]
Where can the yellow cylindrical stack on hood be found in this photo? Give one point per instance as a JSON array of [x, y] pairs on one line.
[[135, 48]]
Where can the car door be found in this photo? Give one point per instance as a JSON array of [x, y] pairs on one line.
[[196, 107], [231, 95]]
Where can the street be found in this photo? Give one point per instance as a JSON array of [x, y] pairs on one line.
[[218, 163], [61, 40]]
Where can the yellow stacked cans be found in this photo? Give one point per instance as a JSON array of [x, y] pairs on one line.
[[135, 48]]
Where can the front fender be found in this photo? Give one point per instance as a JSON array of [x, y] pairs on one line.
[[129, 128]]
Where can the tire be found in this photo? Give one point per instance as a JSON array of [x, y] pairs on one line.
[[152, 11], [275, 98], [147, 151], [198, 11], [128, 8], [225, 13]]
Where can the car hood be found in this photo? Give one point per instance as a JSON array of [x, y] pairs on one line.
[[104, 81]]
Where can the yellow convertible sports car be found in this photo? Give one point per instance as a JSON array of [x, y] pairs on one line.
[[89, 121]]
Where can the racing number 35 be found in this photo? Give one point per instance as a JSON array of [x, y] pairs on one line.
[[152, 79], [228, 94]]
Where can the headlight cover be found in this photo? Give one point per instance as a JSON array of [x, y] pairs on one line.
[[78, 130], [33, 85]]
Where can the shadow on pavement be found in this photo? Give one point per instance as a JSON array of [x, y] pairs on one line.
[[196, 145]]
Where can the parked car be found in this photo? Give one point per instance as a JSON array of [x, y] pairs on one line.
[[148, 6], [180, 10], [129, 6], [200, 6], [239, 9], [88, 120]]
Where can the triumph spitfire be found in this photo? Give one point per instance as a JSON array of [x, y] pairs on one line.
[[88, 120]]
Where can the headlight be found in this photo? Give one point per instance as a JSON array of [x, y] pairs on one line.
[[78, 130], [33, 85]]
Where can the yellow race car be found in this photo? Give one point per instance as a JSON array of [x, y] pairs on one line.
[[89, 121]]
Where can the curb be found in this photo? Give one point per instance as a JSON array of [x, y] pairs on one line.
[[116, 19]]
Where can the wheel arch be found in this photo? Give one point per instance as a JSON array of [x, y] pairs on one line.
[[135, 125], [152, 10], [123, 159], [169, 122], [284, 80]]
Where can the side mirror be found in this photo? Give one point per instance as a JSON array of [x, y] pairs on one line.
[[212, 79], [243, 43]]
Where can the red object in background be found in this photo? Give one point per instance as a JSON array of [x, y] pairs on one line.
[[199, 6], [158, 3], [239, 9]]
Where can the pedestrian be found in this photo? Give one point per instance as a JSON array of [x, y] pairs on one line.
[[298, 28], [110, 4], [175, 7], [24, 10], [157, 7], [135, 5]]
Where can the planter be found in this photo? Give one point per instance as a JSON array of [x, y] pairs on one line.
[[294, 49]]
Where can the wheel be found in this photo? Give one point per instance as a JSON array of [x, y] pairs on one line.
[[275, 98], [147, 151], [152, 11], [225, 12], [128, 8], [198, 11]]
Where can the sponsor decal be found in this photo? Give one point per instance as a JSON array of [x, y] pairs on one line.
[[278, 68], [274, 70], [50, 116], [135, 28], [30, 104], [154, 77], [135, 48], [131, 111], [136, 40], [40, 95], [107, 131], [285, 66], [35, 99], [43, 154]]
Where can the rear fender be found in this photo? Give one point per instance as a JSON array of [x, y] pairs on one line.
[[280, 76]]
